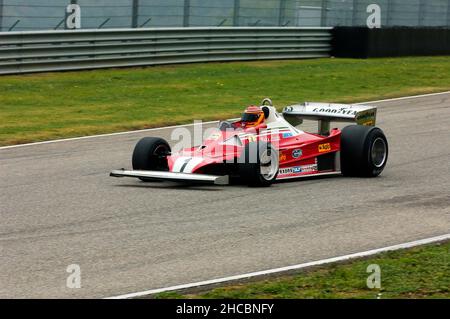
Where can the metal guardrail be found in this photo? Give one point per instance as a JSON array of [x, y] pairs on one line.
[[42, 51]]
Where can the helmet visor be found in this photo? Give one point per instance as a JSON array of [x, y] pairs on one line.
[[250, 117]]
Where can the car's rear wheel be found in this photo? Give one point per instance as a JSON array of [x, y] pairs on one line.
[[364, 151], [150, 154], [258, 164]]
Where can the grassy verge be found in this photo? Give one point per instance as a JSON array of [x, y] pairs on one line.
[[422, 272], [54, 105]]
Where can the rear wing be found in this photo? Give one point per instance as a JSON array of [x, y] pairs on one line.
[[326, 113]]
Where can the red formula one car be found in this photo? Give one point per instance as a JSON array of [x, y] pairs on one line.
[[265, 146]]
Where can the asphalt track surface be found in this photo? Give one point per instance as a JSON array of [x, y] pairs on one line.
[[58, 207]]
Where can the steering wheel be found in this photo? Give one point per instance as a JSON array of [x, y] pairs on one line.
[[267, 102]]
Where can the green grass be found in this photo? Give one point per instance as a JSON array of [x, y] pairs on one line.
[[39, 107], [422, 272]]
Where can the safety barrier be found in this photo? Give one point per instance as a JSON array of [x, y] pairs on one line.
[[42, 51]]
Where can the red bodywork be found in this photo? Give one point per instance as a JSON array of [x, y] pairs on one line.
[[300, 153]]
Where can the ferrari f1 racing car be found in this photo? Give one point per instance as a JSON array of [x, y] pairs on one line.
[[265, 146]]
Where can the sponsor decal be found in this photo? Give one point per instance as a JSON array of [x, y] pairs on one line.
[[368, 123], [296, 169], [310, 168], [342, 110], [272, 135], [367, 118], [282, 157], [324, 147], [289, 170], [286, 135], [297, 153]]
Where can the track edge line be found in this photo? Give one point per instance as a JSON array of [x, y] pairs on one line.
[[321, 262], [189, 124]]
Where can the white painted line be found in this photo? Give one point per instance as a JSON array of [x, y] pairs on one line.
[[406, 97], [102, 135], [288, 268], [184, 125]]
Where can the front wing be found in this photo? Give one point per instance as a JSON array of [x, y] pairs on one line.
[[170, 176]]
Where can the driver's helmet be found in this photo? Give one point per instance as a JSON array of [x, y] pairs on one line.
[[253, 116]]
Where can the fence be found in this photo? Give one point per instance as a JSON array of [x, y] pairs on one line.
[[25, 15], [22, 52], [412, 13]]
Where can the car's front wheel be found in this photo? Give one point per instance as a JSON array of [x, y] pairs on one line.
[[150, 154], [258, 164], [364, 151]]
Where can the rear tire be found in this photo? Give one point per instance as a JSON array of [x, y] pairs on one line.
[[258, 164], [150, 154], [364, 151]]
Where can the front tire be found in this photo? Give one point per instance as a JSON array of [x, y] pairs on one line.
[[150, 154], [364, 151], [258, 164]]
